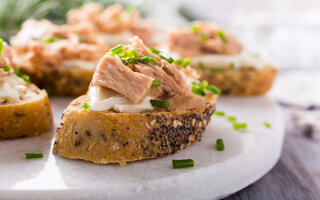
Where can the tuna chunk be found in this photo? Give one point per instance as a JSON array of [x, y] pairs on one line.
[[113, 74], [208, 38], [6, 56]]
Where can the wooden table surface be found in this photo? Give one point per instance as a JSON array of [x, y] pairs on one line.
[[296, 175]]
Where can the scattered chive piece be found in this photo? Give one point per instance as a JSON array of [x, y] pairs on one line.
[[221, 35], [146, 59], [1, 46], [156, 83], [219, 113], [216, 70], [199, 88], [117, 49], [33, 155], [198, 91], [232, 65], [184, 62], [200, 65], [155, 51], [7, 68], [81, 39], [85, 106], [266, 124], [166, 57], [48, 89], [124, 62], [203, 38], [182, 163], [195, 28], [160, 104], [131, 9], [213, 89], [237, 126], [26, 78], [220, 144], [232, 119], [52, 39]]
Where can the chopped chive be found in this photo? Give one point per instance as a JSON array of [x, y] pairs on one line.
[[182, 163], [216, 70], [200, 65], [266, 124], [156, 83], [1, 46], [195, 28], [117, 49], [166, 57], [184, 62], [160, 104], [146, 59], [237, 126], [26, 78], [221, 35], [198, 91], [232, 65], [232, 119], [155, 51], [48, 89], [220, 144], [124, 62], [131, 9], [52, 39], [85, 106], [7, 68], [81, 39], [219, 113], [33, 155], [213, 89], [203, 38]]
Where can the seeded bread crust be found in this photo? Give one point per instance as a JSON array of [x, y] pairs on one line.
[[243, 81], [26, 119], [60, 80], [107, 137]]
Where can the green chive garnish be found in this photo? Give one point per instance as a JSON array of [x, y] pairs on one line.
[[33, 155], [184, 62], [195, 28], [216, 70], [7, 68], [119, 49], [237, 126], [166, 57], [26, 78], [81, 39], [266, 124], [131, 9], [182, 163], [213, 89], [232, 119], [219, 113], [48, 89], [156, 83], [221, 35], [160, 104], [146, 59], [1, 46], [53, 39], [198, 91], [220, 144], [203, 38], [199, 88], [155, 51], [232, 65], [85, 106], [200, 65]]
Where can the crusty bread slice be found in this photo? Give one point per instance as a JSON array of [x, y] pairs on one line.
[[108, 137], [29, 118], [242, 81], [60, 80]]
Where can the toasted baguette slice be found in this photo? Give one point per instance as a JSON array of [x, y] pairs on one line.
[[241, 81], [28, 118], [60, 80], [108, 137]]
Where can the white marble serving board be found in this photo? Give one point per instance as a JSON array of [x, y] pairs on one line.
[[248, 155]]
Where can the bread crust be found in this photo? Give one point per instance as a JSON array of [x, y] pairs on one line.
[[26, 119], [108, 137], [243, 81], [60, 80]]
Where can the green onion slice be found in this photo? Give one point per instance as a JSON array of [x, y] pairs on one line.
[[219, 113], [232, 119], [26, 78], [216, 70], [156, 83], [183, 62], [220, 144], [266, 124], [155, 51], [7, 68], [53, 39], [221, 35], [203, 38], [160, 104], [33, 155], [176, 164], [237, 126], [195, 28], [81, 39], [1, 46], [119, 49], [85, 106], [166, 57]]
